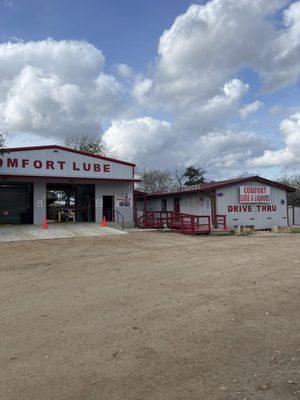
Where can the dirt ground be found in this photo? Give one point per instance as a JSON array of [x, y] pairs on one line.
[[150, 316]]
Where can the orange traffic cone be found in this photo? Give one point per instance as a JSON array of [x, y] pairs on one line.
[[104, 223], [45, 224]]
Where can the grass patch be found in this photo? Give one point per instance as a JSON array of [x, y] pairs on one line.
[[295, 230]]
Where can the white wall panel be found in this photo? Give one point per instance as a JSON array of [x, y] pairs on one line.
[[114, 189], [61, 163], [39, 202], [229, 196], [294, 215]]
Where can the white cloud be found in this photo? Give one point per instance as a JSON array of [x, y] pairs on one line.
[[56, 88], [203, 51], [250, 108], [288, 156], [207, 45], [123, 71], [138, 139], [279, 63], [158, 144], [215, 112]]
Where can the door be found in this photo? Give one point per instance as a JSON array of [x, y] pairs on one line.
[[163, 204], [108, 207], [176, 205], [16, 203]]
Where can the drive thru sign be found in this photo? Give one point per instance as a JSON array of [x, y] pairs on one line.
[[255, 194]]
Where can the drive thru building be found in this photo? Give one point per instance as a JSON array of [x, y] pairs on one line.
[[30, 177], [244, 201]]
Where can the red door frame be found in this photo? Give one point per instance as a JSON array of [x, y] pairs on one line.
[[176, 205]]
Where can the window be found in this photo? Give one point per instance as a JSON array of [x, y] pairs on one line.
[[163, 204]]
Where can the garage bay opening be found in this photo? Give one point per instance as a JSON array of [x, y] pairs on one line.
[[16, 203], [69, 202]]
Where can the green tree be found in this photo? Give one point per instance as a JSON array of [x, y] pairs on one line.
[[193, 176], [154, 180], [293, 181], [85, 143]]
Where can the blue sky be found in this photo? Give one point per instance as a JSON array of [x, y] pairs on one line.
[[212, 83], [126, 31]]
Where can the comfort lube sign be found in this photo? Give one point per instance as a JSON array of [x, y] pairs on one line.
[[255, 194], [58, 162], [11, 163]]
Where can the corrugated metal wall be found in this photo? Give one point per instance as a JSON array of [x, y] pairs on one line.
[[195, 204], [116, 170], [294, 215], [260, 219]]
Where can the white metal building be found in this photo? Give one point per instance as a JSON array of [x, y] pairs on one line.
[[101, 186], [294, 215], [244, 201]]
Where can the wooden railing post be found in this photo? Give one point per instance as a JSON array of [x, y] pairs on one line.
[[193, 225]]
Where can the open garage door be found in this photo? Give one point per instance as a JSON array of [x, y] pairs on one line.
[[16, 203], [70, 202]]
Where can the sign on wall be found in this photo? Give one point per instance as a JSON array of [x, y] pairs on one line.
[[255, 194], [56, 162], [123, 200]]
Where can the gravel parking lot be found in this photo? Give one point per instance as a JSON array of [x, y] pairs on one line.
[[150, 316]]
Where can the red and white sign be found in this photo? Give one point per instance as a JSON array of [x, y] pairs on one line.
[[241, 208], [11, 163], [58, 162], [255, 194]]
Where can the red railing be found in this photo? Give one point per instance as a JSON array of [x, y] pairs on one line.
[[154, 219], [195, 224], [185, 223], [221, 222], [146, 221]]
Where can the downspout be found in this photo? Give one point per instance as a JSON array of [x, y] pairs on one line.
[[212, 197], [145, 204], [214, 203]]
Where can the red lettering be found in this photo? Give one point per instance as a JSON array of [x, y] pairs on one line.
[[25, 163], [37, 164], [61, 164], [269, 208], [12, 162], [235, 209], [97, 167], [75, 168], [250, 208], [273, 208], [50, 164], [86, 166], [230, 208], [106, 168], [258, 207]]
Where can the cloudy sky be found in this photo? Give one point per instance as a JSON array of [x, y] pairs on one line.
[[164, 83]]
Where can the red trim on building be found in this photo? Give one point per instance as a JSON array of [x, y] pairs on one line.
[[57, 147], [204, 187], [65, 179]]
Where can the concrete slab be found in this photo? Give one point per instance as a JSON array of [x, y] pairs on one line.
[[10, 233]]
